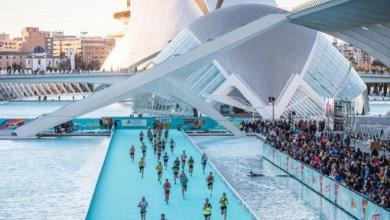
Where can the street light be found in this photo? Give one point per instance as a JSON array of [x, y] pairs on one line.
[[271, 101]]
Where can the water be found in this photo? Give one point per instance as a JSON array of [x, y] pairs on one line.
[[271, 197], [49, 178], [34, 109], [121, 187], [379, 108]]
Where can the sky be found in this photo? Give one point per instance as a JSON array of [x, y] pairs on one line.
[[75, 16]]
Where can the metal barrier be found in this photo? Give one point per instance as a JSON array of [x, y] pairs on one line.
[[348, 200]]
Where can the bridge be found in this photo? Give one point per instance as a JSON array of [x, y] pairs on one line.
[[375, 78], [163, 78], [94, 78], [365, 24], [377, 84]]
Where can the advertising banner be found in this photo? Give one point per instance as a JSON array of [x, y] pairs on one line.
[[134, 122], [352, 202]]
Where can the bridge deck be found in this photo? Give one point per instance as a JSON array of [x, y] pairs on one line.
[[120, 186]]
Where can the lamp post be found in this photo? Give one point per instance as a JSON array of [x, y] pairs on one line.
[[271, 100]]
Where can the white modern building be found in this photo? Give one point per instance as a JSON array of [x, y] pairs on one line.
[[242, 56], [153, 24], [295, 65]]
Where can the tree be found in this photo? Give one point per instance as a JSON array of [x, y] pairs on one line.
[[14, 67], [64, 65], [80, 64], [94, 65], [378, 63]]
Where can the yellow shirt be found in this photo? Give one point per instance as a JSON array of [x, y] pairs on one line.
[[159, 168]]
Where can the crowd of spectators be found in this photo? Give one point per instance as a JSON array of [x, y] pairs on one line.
[[330, 154]]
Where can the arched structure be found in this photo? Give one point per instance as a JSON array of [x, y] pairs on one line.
[[365, 24], [295, 65]]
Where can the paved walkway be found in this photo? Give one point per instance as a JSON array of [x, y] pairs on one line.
[[120, 186]]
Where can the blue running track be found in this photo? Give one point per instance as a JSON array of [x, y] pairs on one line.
[[120, 186]]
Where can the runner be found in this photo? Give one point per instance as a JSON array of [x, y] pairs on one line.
[[172, 145], [224, 202], [163, 142], [160, 145], [183, 181], [177, 162], [165, 158], [191, 165], [175, 168], [143, 148], [158, 153], [143, 204], [163, 217], [183, 159], [141, 165], [204, 161], [210, 182], [141, 136], [149, 133], [166, 133], [159, 169], [154, 148], [167, 190], [207, 210], [132, 152]]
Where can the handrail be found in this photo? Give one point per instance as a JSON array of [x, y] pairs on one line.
[[235, 193]]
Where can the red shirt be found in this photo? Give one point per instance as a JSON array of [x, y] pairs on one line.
[[167, 186]]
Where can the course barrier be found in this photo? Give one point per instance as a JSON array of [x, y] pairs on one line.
[[348, 200]]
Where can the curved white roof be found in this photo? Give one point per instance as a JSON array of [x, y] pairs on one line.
[[266, 62], [153, 24]]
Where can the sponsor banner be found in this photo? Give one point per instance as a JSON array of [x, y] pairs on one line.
[[283, 161], [267, 151], [327, 188], [350, 201], [375, 212], [312, 178], [194, 123], [164, 120], [296, 169], [134, 122]]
